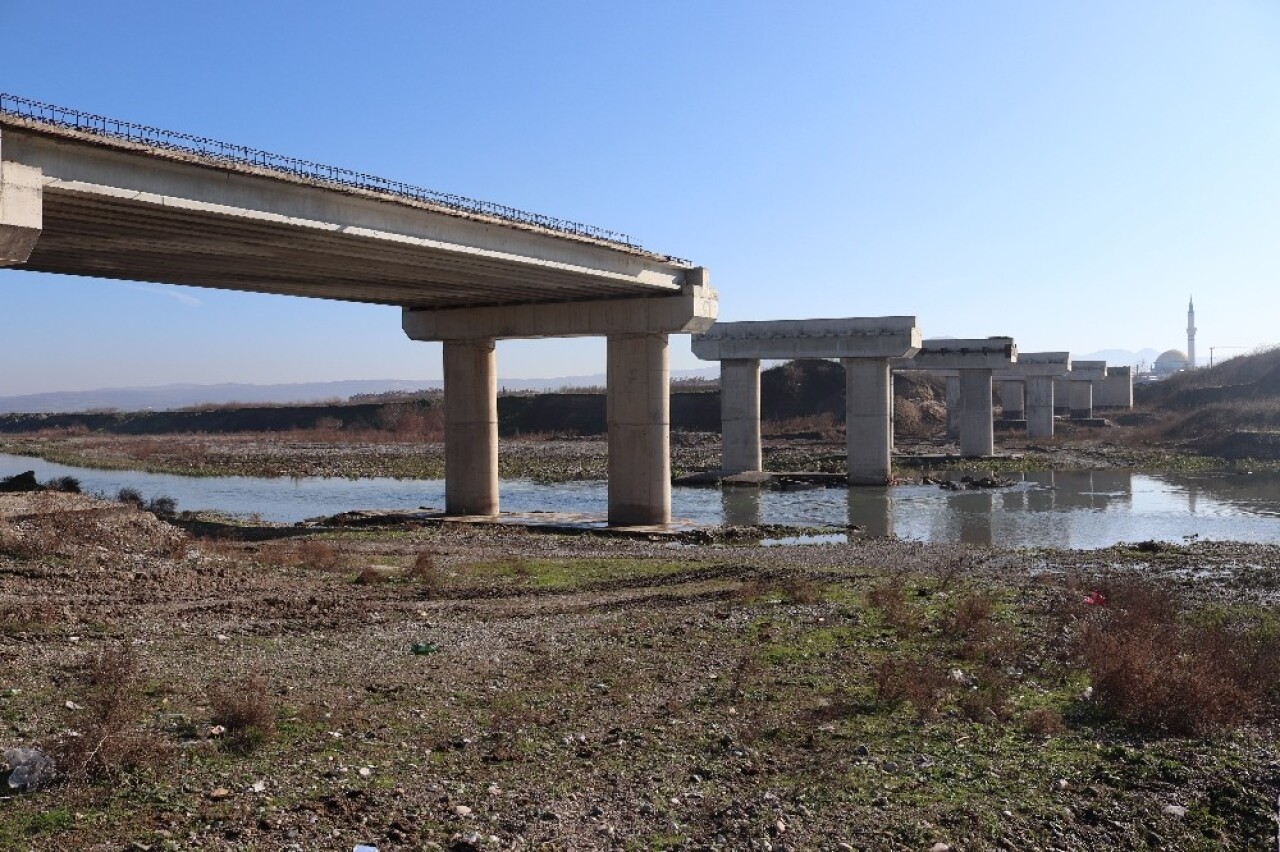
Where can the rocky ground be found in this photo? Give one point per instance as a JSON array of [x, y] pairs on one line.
[[456, 687]]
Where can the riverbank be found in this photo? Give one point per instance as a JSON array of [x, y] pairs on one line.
[[463, 688], [565, 459]]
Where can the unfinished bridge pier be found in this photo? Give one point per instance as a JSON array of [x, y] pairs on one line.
[[864, 345], [971, 362]]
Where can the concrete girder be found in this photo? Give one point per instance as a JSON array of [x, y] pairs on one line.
[[790, 340]]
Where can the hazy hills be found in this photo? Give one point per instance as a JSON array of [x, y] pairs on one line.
[[168, 397]]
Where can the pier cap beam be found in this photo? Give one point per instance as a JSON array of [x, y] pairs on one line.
[[21, 212], [1036, 364], [989, 353], [789, 340], [692, 310], [1087, 371]]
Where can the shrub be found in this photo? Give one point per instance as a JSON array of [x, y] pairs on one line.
[[890, 598], [1154, 668], [920, 682], [65, 484], [245, 710], [425, 572], [111, 739], [1043, 722], [130, 497], [162, 506]]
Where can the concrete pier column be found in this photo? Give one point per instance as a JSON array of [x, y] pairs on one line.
[[740, 415], [470, 427], [868, 420], [1012, 401], [1080, 398], [952, 400], [639, 430], [1039, 406], [977, 432]]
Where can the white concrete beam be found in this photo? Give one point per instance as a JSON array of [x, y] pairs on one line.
[[691, 310], [990, 353], [21, 211], [789, 340]]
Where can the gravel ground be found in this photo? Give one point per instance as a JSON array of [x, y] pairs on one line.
[[459, 687]]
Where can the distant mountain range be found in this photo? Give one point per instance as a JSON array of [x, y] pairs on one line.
[[168, 397]]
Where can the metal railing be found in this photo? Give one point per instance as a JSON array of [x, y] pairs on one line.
[[318, 172]]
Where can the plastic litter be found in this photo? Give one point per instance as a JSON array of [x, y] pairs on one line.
[[26, 769], [362, 848], [424, 648]]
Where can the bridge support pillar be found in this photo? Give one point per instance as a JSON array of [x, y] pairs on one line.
[[740, 416], [1080, 398], [1012, 401], [638, 406], [470, 427], [1040, 406], [21, 211], [977, 432], [868, 420], [952, 399]]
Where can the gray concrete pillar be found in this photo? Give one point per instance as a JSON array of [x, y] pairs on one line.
[[740, 415], [1039, 406], [1012, 401], [868, 420], [953, 406], [639, 430], [470, 427], [1080, 398], [977, 432]]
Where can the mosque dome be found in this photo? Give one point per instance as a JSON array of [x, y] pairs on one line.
[[1171, 361]]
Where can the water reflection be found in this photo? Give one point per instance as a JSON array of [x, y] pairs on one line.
[[1080, 509]]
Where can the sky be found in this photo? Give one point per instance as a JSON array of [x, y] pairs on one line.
[[1067, 174]]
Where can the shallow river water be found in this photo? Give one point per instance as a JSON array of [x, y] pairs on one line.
[[1079, 509]]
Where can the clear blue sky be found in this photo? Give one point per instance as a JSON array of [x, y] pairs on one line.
[[1064, 173]]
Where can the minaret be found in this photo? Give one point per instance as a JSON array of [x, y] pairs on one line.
[[1191, 334]]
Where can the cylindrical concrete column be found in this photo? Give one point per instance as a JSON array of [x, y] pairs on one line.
[[470, 427], [868, 420], [639, 430], [977, 432], [1039, 406], [740, 416], [1011, 401], [953, 406], [1080, 398]]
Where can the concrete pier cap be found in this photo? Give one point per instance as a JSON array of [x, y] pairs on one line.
[[21, 211], [789, 340], [974, 361]]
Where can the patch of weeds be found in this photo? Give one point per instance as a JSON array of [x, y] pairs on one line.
[[424, 571], [1157, 668], [1043, 722], [246, 711], [50, 820], [923, 683], [110, 740], [889, 598]]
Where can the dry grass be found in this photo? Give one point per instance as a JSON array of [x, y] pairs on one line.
[[1155, 668], [306, 553], [110, 739], [245, 710]]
